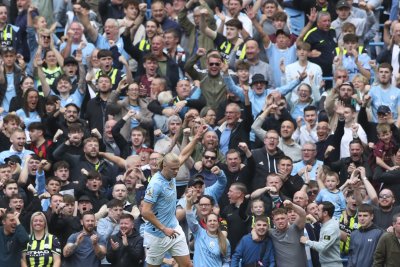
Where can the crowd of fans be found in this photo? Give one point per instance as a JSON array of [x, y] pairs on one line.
[[199, 133]]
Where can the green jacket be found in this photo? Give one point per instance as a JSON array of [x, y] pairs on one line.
[[190, 32], [387, 253]]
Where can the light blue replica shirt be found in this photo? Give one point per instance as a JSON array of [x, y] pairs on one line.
[[389, 97], [10, 92], [336, 198], [275, 55], [76, 98], [33, 117], [162, 194], [206, 248], [86, 52]]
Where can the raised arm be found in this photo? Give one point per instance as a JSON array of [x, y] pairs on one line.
[[83, 16], [204, 27]]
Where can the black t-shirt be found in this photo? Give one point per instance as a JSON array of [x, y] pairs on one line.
[[225, 47]]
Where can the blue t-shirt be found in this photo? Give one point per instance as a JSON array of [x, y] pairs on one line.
[[76, 98], [33, 117], [336, 199], [162, 194], [275, 55], [10, 93], [84, 253], [86, 52], [389, 97], [134, 122]]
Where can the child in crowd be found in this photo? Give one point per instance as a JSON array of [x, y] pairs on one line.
[[330, 192], [385, 149]]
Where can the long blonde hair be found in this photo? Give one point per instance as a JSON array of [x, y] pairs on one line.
[[39, 213], [222, 243]]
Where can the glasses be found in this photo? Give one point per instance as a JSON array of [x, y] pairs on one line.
[[210, 157], [312, 192], [211, 64], [46, 36], [204, 205], [384, 196]]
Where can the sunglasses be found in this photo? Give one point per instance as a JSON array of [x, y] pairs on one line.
[[210, 157], [312, 192], [211, 64], [385, 196], [46, 36]]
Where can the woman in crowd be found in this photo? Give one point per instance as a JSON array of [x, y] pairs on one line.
[[31, 110], [43, 249], [211, 247]]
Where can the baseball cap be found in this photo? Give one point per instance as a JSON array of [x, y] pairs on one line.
[[197, 179], [383, 109]]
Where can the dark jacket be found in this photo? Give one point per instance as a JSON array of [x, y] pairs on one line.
[[265, 164], [241, 132], [387, 251], [126, 256], [362, 246], [341, 166], [172, 74], [12, 245], [96, 113]]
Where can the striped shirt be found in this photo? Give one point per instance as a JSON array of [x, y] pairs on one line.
[[39, 253]]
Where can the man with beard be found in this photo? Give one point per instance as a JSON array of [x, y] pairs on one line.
[[85, 248], [345, 167], [311, 230], [385, 93], [13, 239], [328, 244], [212, 85], [386, 209], [71, 117], [255, 249], [18, 141], [125, 248], [89, 161]]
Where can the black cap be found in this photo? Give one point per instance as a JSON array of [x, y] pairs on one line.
[[258, 78], [13, 158], [197, 179], [70, 60], [341, 4], [84, 198], [383, 110]]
